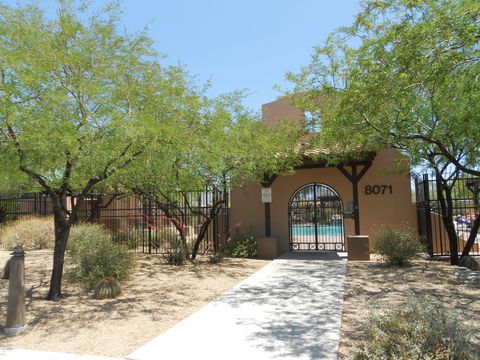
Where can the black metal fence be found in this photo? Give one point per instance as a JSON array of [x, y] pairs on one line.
[[13, 206], [137, 224], [465, 196]]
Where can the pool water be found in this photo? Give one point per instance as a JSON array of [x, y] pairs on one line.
[[299, 230]]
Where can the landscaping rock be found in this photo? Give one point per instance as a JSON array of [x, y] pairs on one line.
[[462, 273], [469, 262], [473, 280]]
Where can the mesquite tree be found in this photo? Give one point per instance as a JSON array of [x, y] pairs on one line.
[[77, 99], [404, 75], [214, 146]]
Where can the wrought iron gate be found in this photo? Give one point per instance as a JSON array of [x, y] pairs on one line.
[[315, 219]]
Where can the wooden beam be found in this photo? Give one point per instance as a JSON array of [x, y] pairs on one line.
[[268, 225], [354, 177], [268, 180], [266, 183], [345, 172], [356, 212], [363, 171]]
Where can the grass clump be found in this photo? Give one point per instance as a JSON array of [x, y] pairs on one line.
[[242, 246], [175, 254], [418, 329], [93, 256], [397, 245], [32, 232], [216, 257]]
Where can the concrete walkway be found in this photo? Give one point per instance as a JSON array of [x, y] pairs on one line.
[[290, 309]]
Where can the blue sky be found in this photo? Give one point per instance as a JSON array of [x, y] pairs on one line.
[[243, 44]]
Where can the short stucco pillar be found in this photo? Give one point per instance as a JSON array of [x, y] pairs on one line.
[[358, 248], [267, 248], [16, 294]]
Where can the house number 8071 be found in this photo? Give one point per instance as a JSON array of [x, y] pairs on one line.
[[378, 189]]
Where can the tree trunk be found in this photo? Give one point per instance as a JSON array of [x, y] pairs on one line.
[[203, 229], [446, 205], [200, 236], [62, 232], [178, 225], [472, 236], [183, 238]]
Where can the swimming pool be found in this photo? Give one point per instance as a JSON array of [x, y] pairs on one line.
[[299, 230]]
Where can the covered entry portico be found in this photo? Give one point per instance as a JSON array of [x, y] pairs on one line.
[[316, 212]]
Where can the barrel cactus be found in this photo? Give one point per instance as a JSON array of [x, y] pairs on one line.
[[6, 270], [107, 288]]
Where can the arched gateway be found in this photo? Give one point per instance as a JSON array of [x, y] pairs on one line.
[[315, 219]]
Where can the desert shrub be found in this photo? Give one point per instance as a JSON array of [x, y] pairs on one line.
[[93, 256], [419, 328], [175, 254], [33, 232], [242, 246], [397, 245], [216, 257]]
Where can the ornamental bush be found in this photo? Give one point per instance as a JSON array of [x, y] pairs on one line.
[[397, 245], [242, 246], [419, 328], [33, 232], [92, 256]]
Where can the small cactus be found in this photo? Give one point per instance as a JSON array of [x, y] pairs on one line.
[[6, 270], [107, 288]]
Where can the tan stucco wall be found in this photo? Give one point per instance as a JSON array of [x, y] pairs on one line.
[[247, 211], [280, 110]]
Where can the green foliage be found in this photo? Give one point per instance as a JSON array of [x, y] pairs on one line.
[[397, 245], [66, 83], [92, 256], [32, 232], [175, 254], [420, 328], [242, 246], [216, 144], [80, 101], [404, 75], [107, 288]]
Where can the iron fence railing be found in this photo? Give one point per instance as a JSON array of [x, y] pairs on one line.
[[465, 206], [133, 222]]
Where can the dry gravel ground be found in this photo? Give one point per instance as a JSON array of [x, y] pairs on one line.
[[375, 284], [155, 298]]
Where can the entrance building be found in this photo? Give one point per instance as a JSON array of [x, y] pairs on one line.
[[315, 208]]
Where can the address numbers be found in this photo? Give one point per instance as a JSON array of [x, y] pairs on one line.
[[378, 189]]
